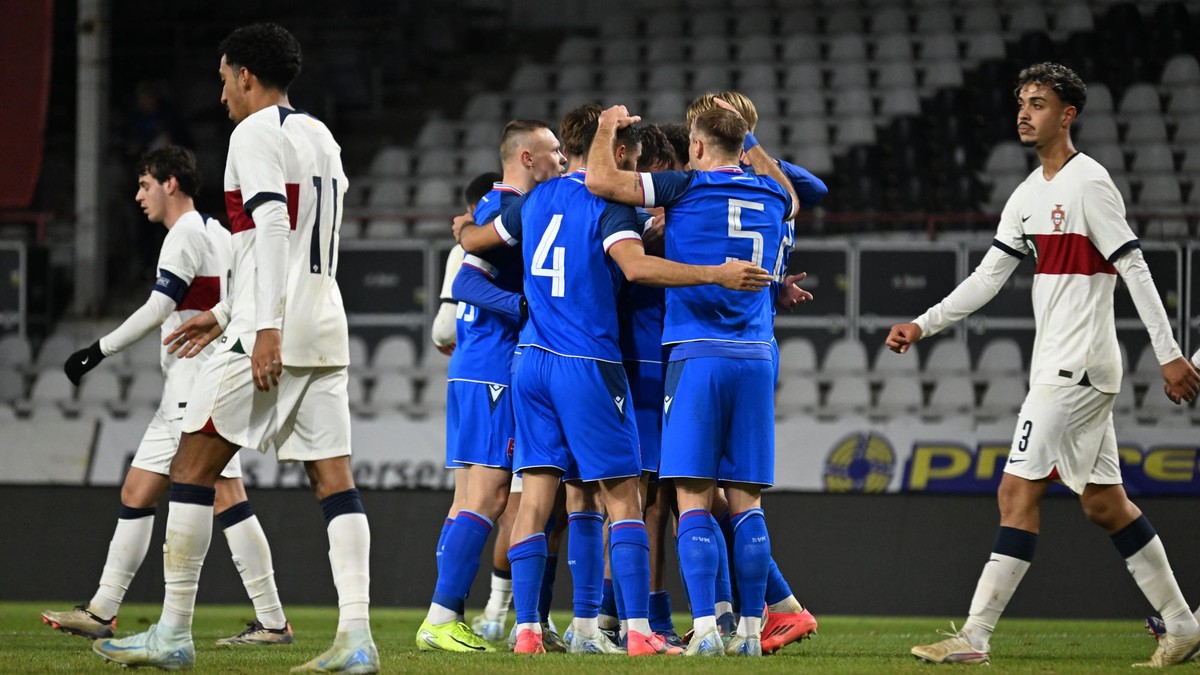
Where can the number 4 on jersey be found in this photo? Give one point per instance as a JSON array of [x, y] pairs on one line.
[[557, 270]]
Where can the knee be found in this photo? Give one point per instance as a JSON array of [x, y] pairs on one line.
[[1104, 513]]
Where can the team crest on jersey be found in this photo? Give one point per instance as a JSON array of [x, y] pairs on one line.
[[1058, 217]]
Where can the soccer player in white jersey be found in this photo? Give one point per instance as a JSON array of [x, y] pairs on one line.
[[1069, 216], [278, 379], [192, 267]]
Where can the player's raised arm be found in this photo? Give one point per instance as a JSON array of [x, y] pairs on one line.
[[763, 164], [604, 178]]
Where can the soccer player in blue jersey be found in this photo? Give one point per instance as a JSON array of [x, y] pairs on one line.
[[479, 420], [570, 390], [787, 620], [719, 384]]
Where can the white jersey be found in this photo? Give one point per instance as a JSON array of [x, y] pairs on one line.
[[286, 156], [193, 270], [1075, 227]]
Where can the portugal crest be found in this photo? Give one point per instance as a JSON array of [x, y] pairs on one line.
[[1058, 216]]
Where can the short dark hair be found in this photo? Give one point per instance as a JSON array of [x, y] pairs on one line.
[[1069, 87], [478, 187], [570, 130], [514, 129], [656, 149], [266, 49], [724, 128], [172, 160], [679, 136], [630, 136]]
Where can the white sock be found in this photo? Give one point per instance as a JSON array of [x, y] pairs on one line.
[[789, 605], [703, 625], [189, 532], [639, 626], [724, 608], [439, 615], [1152, 572], [126, 551], [589, 627], [500, 599], [750, 627], [535, 627], [349, 556], [999, 580], [252, 557]]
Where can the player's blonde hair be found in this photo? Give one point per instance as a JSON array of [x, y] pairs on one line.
[[739, 101], [722, 128]]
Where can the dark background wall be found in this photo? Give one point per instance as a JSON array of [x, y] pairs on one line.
[[843, 554]]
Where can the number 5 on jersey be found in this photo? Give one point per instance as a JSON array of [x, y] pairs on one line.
[[557, 269]]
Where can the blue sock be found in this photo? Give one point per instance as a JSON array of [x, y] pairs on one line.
[[752, 551], [698, 560], [726, 526], [585, 558], [630, 551], [608, 599], [616, 586], [463, 545], [547, 593], [442, 542], [660, 612], [528, 560], [777, 587], [724, 583]]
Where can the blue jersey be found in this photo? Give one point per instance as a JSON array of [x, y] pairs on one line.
[[486, 338], [716, 216], [571, 285], [640, 310]]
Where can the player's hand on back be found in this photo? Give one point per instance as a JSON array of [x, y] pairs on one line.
[[266, 363], [193, 335], [902, 335], [82, 361], [790, 294], [1182, 380], [446, 349], [739, 275], [461, 221]]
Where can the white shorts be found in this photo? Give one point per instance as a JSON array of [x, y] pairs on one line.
[[158, 446], [1068, 431], [515, 487], [305, 418]]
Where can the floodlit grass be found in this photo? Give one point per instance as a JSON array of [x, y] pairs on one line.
[[845, 645]]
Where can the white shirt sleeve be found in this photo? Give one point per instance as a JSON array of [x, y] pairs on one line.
[[973, 293], [1196, 358], [445, 323], [1136, 273], [454, 260], [141, 323]]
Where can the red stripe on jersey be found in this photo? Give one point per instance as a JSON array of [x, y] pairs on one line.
[[293, 196], [1069, 254], [203, 294], [239, 220]]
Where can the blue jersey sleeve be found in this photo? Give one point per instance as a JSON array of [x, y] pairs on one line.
[[508, 222], [643, 218], [810, 189], [665, 188], [487, 209], [618, 222], [472, 286]]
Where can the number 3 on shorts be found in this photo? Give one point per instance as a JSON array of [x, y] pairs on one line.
[[1027, 427]]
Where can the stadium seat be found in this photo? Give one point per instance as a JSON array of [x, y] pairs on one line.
[[799, 48], [1003, 397], [1139, 99], [856, 130], [899, 396], [803, 79], [580, 76], [896, 48], [532, 105], [12, 386], [1099, 98], [665, 105], [394, 353], [889, 21], [1159, 408], [529, 77], [765, 76], [932, 20], [796, 395], [849, 76], [901, 101], [391, 161], [356, 391], [620, 50], [847, 48], [981, 18], [797, 357], [1075, 17], [52, 390], [712, 77], [1148, 128], [757, 50], [1184, 103], [1153, 158], [54, 352], [392, 391], [99, 389], [484, 106], [816, 158], [435, 194], [809, 131], [941, 74], [1109, 155], [576, 49], [846, 356], [810, 103], [1007, 157], [480, 160], [433, 396], [1125, 403], [145, 354], [436, 133], [434, 365], [895, 74], [359, 358], [843, 20], [1181, 70], [709, 23], [666, 22], [890, 364], [15, 352], [1099, 128], [984, 46], [769, 132], [848, 395], [1027, 18], [618, 24], [953, 395], [1001, 357], [145, 390], [754, 24], [439, 161], [936, 47], [798, 25], [1160, 192], [1147, 371]]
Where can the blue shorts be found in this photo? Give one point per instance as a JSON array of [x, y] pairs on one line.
[[479, 425], [646, 386], [719, 420], [574, 415]]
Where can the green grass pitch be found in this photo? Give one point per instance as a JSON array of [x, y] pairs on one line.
[[844, 645]]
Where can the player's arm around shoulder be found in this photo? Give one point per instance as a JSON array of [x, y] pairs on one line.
[[648, 270]]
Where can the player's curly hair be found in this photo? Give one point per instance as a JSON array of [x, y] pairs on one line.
[[1069, 87], [172, 160], [679, 137], [725, 129], [656, 149], [570, 131], [266, 49]]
